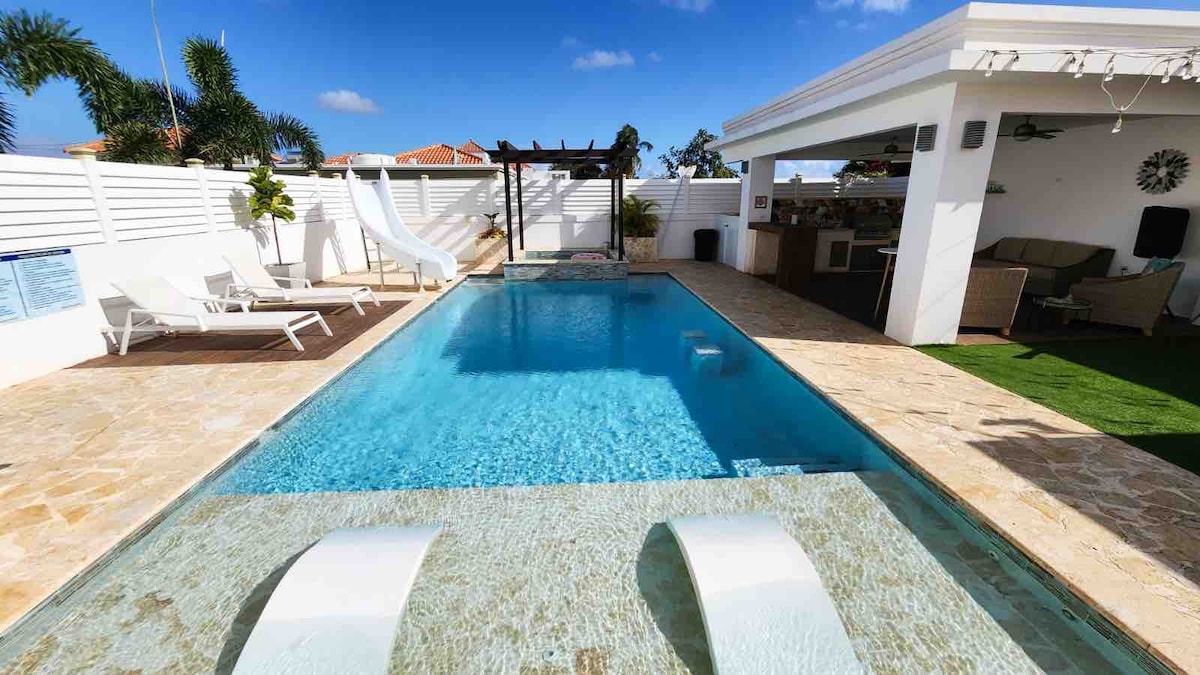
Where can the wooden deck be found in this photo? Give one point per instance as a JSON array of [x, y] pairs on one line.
[[220, 348]]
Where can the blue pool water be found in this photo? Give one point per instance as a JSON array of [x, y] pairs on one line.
[[555, 382]]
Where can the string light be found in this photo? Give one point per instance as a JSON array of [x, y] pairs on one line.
[[1167, 57]]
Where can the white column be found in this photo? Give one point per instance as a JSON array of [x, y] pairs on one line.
[[91, 171], [757, 185], [423, 192], [210, 215], [941, 219]]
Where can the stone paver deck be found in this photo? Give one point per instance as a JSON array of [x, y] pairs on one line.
[[92, 455]]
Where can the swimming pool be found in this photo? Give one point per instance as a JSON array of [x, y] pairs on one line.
[[502, 384], [594, 395]]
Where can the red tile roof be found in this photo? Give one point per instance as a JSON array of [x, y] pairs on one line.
[[343, 158], [438, 153]]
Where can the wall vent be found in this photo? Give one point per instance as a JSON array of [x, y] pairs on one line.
[[973, 133], [925, 137]]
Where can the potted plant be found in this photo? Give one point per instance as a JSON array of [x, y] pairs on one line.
[[641, 229], [269, 198], [491, 246]]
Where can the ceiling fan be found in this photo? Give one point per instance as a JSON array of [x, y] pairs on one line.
[[1027, 131], [890, 152]]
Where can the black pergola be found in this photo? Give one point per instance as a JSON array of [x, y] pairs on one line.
[[617, 158]]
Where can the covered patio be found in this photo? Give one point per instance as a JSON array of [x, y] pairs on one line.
[[1026, 128]]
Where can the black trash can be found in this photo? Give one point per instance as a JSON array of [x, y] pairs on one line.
[[706, 244]]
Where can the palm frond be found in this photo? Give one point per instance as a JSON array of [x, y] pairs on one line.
[[290, 132], [8, 127], [208, 66], [137, 142]]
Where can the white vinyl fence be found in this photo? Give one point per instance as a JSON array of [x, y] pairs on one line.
[[123, 220]]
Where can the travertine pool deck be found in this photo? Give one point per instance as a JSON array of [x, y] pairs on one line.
[[91, 455]]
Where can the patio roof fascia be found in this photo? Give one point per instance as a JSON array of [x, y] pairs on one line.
[[953, 47]]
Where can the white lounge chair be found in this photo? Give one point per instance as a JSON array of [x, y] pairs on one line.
[[337, 608], [258, 285], [161, 308], [764, 608]]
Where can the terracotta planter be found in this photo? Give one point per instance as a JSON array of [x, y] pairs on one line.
[[641, 249], [491, 251]]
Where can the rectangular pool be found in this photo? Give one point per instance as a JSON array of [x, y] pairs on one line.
[[557, 382], [598, 394]]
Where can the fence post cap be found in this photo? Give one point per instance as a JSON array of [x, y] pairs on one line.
[[81, 153], [314, 173], [194, 161]]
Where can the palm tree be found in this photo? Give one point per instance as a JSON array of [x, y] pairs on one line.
[[37, 48], [627, 137], [218, 123]]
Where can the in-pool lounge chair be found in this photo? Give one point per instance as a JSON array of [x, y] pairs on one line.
[[337, 608], [764, 608], [163, 308], [258, 285]]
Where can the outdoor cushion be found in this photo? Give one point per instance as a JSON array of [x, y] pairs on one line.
[[1010, 248], [1039, 252], [1069, 253]]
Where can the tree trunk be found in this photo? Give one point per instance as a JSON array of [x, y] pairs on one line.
[[275, 231]]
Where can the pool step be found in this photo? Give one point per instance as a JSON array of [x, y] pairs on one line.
[[707, 358], [788, 466]]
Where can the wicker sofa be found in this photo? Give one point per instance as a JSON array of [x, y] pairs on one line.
[[993, 294], [1134, 300], [1053, 265]]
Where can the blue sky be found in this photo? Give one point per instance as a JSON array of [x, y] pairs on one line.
[[392, 76]]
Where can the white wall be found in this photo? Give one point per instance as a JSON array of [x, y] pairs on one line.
[[125, 220], [1081, 187], [558, 213]]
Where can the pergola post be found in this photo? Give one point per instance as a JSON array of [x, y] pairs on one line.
[[612, 210], [508, 210], [520, 209], [621, 214]]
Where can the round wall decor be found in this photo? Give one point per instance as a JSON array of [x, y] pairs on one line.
[[1163, 171]]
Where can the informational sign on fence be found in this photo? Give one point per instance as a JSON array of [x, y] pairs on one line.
[[37, 283]]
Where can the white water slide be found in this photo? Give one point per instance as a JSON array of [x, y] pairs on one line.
[[378, 216]]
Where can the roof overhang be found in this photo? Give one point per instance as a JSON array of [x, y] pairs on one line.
[[955, 47]]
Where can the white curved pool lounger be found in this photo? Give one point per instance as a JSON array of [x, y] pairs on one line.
[[764, 608], [258, 284], [337, 608]]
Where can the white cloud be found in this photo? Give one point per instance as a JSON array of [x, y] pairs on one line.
[[654, 56], [602, 58], [854, 25], [889, 6], [344, 100], [570, 41], [689, 5], [811, 170]]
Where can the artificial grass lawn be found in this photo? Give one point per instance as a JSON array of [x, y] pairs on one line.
[[1145, 391]]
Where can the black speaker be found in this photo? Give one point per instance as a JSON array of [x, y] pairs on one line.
[[1161, 233]]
